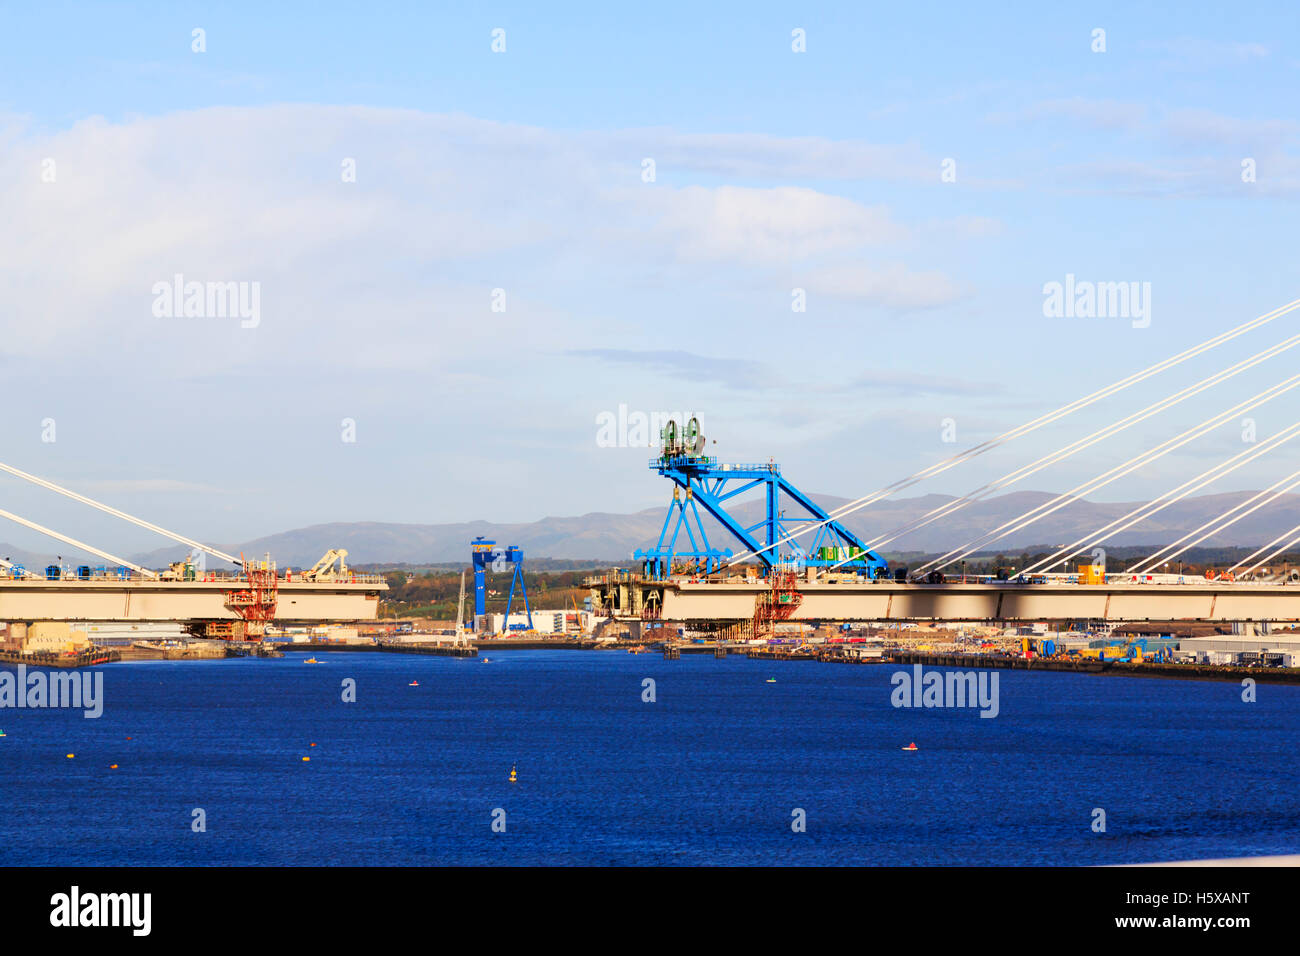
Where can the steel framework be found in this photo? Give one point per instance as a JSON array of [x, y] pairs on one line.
[[701, 481], [256, 602], [487, 556]]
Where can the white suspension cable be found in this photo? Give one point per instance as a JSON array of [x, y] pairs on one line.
[[75, 543], [1166, 554], [1119, 471], [1174, 495], [1293, 537], [119, 514], [1028, 427], [1060, 454]]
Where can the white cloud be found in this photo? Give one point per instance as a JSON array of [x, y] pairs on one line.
[[757, 156], [1207, 128], [376, 300], [444, 209], [1100, 113], [890, 286], [758, 226], [1199, 53]]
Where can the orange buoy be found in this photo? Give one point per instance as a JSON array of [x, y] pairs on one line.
[[113, 767], [306, 758]]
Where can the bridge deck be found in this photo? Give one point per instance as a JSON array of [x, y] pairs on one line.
[[104, 599], [1003, 601]]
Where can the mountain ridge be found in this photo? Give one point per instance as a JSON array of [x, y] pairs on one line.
[[612, 537]]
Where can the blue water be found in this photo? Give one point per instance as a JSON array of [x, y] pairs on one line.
[[707, 774]]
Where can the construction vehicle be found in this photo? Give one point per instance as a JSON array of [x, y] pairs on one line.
[[179, 571]]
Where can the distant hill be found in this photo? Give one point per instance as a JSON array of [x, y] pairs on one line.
[[613, 537]]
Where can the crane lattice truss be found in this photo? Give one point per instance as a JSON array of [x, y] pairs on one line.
[[700, 481]]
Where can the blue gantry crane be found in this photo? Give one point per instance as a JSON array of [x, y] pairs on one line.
[[487, 556], [700, 480]]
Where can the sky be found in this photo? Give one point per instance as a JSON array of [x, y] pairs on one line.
[[468, 234]]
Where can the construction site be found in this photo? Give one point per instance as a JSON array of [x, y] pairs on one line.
[[62, 613], [799, 566], [796, 577]]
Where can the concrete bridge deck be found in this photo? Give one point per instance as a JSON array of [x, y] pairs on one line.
[[107, 599], [735, 600]]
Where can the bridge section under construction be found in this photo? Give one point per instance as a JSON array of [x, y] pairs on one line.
[[220, 600], [800, 562], [630, 596], [227, 605]]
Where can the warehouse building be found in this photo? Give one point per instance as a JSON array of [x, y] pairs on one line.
[[1268, 649]]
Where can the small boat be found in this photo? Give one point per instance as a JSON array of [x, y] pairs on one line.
[[414, 683], [487, 660], [311, 660], [912, 746], [771, 680], [639, 649], [2, 733]]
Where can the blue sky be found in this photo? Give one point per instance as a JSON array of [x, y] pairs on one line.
[[523, 171]]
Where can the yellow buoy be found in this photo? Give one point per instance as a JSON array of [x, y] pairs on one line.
[[513, 777], [113, 767], [306, 758], [70, 756]]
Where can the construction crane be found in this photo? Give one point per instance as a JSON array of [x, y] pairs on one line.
[[460, 613], [487, 556], [331, 567], [701, 481]]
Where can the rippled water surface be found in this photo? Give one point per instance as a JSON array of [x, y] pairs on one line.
[[709, 773]]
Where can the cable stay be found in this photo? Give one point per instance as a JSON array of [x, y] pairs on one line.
[[984, 491], [1119, 471], [1028, 427], [108, 509], [74, 542], [1171, 551], [1174, 495], [1292, 538]]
